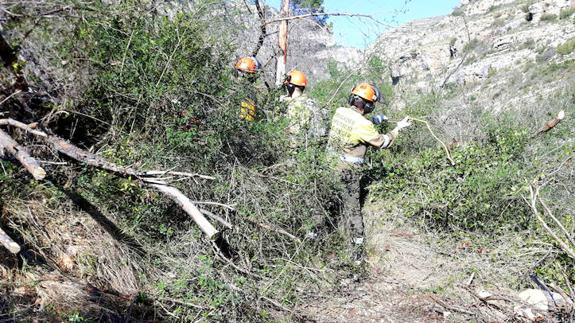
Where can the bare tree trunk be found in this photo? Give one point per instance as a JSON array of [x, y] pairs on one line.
[[7, 242], [283, 44], [21, 154]]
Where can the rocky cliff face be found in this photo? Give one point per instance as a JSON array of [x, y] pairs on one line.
[[503, 53]]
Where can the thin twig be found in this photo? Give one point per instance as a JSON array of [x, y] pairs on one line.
[[337, 90], [217, 218], [263, 30], [534, 191], [8, 97], [449, 307], [229, 207], [436, 138], [559, 224]]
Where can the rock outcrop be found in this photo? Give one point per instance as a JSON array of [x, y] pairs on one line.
[[490, 47]]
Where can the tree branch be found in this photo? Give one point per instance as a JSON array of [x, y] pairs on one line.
[[8, 243], [187, 205], [317, 15], [66, 148], [263, 30], [10, 145]]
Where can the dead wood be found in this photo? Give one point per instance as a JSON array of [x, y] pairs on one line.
[[187, 205], [68, 149], [23, 126], [8, 144], [551, 123], [8, 243]]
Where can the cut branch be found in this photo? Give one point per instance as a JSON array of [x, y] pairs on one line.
[[23, 126], [551, 123], [447, 152], [189, 207], [8, 243], [534, 191], [32, 165], [21, 154]]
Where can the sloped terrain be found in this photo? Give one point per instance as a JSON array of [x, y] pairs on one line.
[[502, 53]]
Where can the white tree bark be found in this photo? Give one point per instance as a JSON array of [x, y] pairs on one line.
[[283, 44], [8, 243], [10, 145], [189, 207]]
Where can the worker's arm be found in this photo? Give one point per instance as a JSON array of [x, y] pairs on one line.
[[386, 140]]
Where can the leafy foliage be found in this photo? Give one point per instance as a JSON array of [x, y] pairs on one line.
[[159, 92], [567, 47]]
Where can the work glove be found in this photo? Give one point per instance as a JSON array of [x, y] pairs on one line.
[[404, 123], [378, 119]]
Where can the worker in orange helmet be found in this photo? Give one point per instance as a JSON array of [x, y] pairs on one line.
[[305, 117], [247, 69], [349, 138]]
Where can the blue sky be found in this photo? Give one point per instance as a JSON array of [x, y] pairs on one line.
[[360, 32]]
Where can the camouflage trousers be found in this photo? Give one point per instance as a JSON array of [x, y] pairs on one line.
[[351, 203]]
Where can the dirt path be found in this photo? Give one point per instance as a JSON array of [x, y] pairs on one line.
[[407, 273], [402, 272]]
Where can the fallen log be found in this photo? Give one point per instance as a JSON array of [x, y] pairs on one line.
[[8, 243], [8, 144]]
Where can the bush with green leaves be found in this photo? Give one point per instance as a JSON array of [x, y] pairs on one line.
[[159, 92], [567, 47], [548, 17], [485, 193], [566, 13]]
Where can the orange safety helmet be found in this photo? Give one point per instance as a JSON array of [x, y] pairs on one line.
[[370, 93], [248, 64], [297, 78], [366, 91]]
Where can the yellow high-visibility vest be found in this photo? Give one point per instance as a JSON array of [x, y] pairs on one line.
[[351, 133]]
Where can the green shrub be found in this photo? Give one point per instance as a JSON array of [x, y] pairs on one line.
[[548, 17], [163, 96], [480, 193], [566, 13], [567, 47], [493, 8]]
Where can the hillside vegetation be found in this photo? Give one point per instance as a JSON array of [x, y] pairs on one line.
[[155, 91]]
